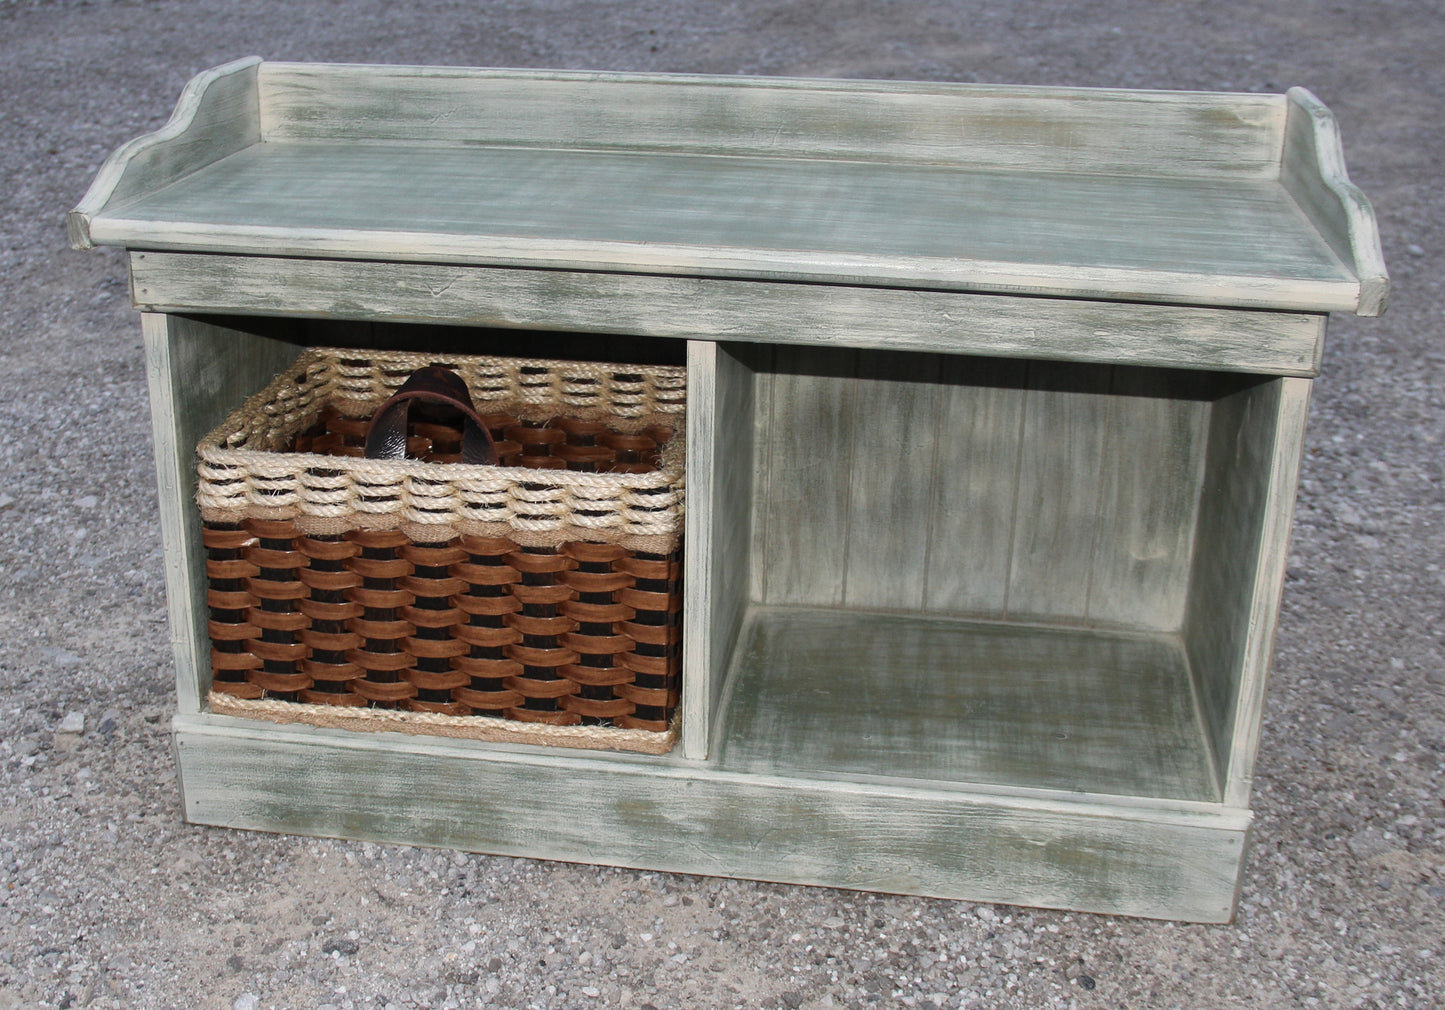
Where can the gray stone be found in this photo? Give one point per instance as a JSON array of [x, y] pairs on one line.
[[74, 722], [63, 658], [1369, 843], [246, 1001]]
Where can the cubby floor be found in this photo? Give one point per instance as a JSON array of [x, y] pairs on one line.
[[852, 694]]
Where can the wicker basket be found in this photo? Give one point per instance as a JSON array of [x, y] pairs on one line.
[[538, 602]]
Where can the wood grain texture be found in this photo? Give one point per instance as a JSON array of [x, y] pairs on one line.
[[1312, 170], [864, 696], [1277, 343], [1089, 236], [895, 399], [1060, 480], [197, 372], [975, 487], [1239, 554], [999, 489], [699, 647], [1149, 497], [1167, 863], [1017, 128], [718, 570], [1268, 587], [1176, 198], [217, 115], [812, 418]]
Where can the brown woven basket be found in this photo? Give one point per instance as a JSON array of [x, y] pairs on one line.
[[538, 602]]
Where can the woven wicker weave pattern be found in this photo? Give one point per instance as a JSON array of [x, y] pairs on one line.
[[587, 633], [245, 471]]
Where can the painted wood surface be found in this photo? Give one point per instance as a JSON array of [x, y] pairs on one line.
[[1267, 586], [1242, 429], [975, 485], [679, 817], [1312, 170], [719, 506], [869, 696], [1062, 456], [805, 491], [1090, 236], [197, 373], [1276, 343], [699, 646], [218, 115], [1255, 445], [1146, 196], [895, 401], [1030, 491], [1078, 130], [1149, 492]]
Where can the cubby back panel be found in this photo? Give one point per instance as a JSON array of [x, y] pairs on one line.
[[992, 488]]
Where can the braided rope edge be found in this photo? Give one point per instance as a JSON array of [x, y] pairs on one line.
[[488, 729], [245, 473]]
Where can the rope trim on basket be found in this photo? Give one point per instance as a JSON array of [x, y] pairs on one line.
[[460, 727], [246, 472]]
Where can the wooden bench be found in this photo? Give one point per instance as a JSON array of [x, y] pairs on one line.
[[996, 407]]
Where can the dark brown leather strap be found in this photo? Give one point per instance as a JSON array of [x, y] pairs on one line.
[[386, 436]]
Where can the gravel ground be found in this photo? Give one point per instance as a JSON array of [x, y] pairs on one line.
[[107, 898]]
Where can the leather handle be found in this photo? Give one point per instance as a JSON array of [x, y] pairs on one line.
[[386, 435]]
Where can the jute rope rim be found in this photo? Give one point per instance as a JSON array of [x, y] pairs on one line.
[[489, 729], [239, 481]]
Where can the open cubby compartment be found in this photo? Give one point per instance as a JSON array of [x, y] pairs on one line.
[[989, 572], [208, 365]]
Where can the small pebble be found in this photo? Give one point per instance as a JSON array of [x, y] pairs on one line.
[[1414, 250], [74, 722], [1086, 981], [246, 1001], [1370, 843]]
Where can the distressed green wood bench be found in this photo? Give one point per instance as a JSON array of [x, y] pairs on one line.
[[997, 398]]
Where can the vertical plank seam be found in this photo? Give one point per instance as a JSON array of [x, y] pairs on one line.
[[1028, 378], [1111, 412], [930, 522], [846, 413]]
